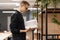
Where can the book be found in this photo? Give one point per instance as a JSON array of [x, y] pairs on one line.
[[31, 24]]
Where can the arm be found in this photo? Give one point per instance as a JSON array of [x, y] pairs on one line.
[[13, 25], [22, 26], [26, 30]]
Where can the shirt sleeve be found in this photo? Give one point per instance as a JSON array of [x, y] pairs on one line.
[[22, 25], [14, 24]]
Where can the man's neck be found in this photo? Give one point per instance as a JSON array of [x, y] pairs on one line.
[[19, 11]]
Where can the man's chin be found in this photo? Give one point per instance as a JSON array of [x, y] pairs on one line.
[[24, 11]]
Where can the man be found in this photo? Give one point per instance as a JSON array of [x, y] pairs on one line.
[[17, 25]]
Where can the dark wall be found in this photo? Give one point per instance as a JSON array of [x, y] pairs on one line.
[[3, 21]]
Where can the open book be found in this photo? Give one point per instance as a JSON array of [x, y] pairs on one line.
[[31, 24]]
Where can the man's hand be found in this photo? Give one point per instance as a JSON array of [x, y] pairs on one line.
[[33, 28]]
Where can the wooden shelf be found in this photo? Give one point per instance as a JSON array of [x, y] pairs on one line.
[[50, 10]]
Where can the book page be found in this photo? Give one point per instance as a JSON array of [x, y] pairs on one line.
[[31, 24]]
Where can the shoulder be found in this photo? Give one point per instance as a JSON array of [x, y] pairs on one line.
[[15, 14]]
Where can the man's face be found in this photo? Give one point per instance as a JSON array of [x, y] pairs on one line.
[[24, 8]]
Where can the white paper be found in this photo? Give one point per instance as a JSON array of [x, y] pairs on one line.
[[31, 24]]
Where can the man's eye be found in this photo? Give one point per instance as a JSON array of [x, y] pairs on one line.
[[26, 8]]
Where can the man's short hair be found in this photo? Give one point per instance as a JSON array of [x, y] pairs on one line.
[[25, 3]]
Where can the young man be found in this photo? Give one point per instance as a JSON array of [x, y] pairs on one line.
[[17, 25]]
